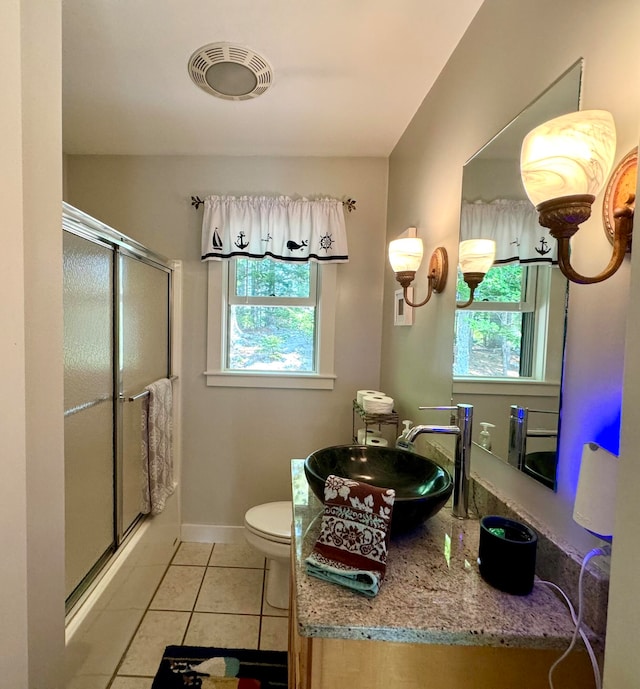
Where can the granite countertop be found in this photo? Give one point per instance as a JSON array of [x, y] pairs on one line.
[[432, 593]]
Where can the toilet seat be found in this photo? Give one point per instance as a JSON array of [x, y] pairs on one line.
[[271, 521]]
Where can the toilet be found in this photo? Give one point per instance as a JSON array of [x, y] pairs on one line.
[[268, 529]]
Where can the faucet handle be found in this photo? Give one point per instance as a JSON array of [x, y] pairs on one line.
[[438, 408]]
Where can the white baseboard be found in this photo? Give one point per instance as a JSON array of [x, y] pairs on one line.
[[209, 533]]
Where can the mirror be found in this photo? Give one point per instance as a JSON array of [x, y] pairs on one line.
[[509, 344]]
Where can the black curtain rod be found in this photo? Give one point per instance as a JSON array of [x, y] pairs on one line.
[[349, 204]]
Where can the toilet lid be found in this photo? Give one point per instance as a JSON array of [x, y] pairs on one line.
[[271, 519]]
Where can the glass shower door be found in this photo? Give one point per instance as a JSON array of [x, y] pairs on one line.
[[88, 403], [144, 356]]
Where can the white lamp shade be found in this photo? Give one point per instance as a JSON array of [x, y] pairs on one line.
[[571, 154], [405, 254], [476, 255]]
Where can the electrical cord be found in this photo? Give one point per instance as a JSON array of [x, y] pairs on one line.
[[594, 662], [577, 619]]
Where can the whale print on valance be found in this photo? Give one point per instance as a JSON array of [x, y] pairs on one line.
[[281, 228]]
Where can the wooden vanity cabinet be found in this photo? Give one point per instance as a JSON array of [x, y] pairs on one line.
[[327, 663]]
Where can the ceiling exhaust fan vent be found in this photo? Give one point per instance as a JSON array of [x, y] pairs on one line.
[[230, 71]]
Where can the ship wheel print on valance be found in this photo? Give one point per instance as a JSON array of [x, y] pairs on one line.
[[281, 228]]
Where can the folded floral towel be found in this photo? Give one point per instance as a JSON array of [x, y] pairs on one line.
[[351, 549]]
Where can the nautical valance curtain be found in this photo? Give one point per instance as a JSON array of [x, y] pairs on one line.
[[279, 227], [515, 228]]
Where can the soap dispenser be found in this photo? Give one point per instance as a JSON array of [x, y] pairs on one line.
[[402, 441], [485, 436]]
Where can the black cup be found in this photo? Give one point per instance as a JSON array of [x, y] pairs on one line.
[[507, 556]]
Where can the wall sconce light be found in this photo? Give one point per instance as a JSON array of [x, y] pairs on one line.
[[405, 256], [475, 257], [564, 164]]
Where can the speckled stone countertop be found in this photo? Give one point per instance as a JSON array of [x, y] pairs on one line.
[[432, 593]]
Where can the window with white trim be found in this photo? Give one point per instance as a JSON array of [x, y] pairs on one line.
[[505, 331], [271, 316], [271, 324]]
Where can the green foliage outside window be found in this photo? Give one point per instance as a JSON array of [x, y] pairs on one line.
[[276, 337], [488, 343], [269, 278]]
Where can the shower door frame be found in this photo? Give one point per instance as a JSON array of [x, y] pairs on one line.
[[80, 224]]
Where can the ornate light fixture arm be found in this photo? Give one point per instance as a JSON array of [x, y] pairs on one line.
[[562, 230], [436, 278], [472, 280]]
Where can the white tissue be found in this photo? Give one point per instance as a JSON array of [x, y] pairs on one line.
[[377, 404], [364, 433], [362, 393], [596, 494], [380, 442]]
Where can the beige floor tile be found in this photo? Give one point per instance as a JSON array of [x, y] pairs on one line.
[[235, 555], [274, 634], [179, 588], [231, 590], [138, 588], [192, 554], [132, 683], [224, 631], [157, 630]]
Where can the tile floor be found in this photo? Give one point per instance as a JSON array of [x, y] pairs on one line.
[[211, 595]]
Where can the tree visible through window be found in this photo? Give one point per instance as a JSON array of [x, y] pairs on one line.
[[493, 336], [271, 320]]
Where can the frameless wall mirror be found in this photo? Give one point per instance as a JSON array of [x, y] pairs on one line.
[[509, 344]]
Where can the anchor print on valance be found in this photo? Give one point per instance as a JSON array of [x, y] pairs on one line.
[[514, 227], [281, 228]]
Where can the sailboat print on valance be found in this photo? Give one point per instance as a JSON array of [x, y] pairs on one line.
[[281, 228]]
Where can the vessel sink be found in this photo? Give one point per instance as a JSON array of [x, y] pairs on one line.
[[422, 486], [542, 466]]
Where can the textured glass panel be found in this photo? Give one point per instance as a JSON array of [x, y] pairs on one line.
[[145, 324], [145, 358], [88, 305], [131, 463], [88, 473], [88, 388]]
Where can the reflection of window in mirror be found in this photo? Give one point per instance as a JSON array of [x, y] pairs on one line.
[[506, 332]]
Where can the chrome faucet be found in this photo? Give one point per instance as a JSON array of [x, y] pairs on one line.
[[519, 431], [462, 464]]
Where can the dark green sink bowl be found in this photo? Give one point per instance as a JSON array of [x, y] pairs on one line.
[[422, 486]]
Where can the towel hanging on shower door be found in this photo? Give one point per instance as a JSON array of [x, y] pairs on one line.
[[157, 446]]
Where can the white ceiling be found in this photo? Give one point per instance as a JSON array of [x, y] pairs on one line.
[[348, 74]]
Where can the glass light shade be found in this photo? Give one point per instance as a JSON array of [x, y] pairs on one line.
[[571, 154], [405, 254], [477, 255]]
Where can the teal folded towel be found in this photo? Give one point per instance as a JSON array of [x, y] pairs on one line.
[[364, 581], [352, 547]]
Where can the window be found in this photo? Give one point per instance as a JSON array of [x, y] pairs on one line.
[[271, 324], [502, 334], [271, 317]]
